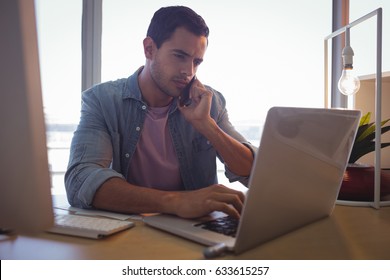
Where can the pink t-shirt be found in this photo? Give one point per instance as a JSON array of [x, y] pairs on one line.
[[154, 163]]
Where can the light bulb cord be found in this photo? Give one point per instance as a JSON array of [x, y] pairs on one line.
[[347, 37], [347, 52]]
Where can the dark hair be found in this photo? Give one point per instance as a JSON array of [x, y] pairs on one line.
[[167, 19]]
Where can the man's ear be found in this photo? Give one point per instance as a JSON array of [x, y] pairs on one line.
[[149, 47]]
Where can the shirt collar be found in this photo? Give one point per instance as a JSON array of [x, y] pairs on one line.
[[132, 89]]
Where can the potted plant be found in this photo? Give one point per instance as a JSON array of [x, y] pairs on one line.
[[358, 182]]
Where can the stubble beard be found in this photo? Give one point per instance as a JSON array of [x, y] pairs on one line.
[[160, 80]]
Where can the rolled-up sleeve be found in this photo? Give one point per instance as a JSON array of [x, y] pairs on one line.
[[90, 155]]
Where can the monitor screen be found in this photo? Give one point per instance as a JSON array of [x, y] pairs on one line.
[[25, 191]]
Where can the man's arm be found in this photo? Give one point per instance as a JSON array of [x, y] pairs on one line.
[[119, 196], [237, 156]]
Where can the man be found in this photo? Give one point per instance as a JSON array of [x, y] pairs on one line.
[[137, 150]]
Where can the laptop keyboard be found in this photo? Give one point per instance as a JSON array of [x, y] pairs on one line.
[[225, 225]]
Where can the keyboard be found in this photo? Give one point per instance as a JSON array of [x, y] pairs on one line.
[[89, 227], [225, 225]]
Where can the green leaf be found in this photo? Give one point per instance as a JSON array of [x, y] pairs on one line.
[[360, 150], [365, 138], [365, 119], [371, 136], [369, 129]]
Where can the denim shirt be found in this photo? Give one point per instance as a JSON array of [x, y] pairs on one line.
[[112, 116]]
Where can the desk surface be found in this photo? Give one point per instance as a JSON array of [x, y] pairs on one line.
[[350, 233]]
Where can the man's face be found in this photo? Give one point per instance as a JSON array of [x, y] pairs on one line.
[[176, 61]]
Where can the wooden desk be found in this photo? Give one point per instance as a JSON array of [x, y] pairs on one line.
[[350, 233]]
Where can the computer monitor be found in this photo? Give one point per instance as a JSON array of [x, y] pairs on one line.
[[25, 191]]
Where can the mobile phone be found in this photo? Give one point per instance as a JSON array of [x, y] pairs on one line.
[[184, 99]]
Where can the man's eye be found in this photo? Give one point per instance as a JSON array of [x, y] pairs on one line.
[[197, 62], [179, 55]]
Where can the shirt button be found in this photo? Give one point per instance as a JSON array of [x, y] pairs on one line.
[[138, 128], [143, 107], [127, 155]]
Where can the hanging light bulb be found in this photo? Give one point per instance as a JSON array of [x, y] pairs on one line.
[[348, 84]]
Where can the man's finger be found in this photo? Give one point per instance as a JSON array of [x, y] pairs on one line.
[[225, 208]]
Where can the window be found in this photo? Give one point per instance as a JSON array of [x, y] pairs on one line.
[[59, 39], [363, 36]]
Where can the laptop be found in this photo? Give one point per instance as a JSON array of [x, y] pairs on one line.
[[295, 180]]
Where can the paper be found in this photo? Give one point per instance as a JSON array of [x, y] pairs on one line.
[[99, 213]]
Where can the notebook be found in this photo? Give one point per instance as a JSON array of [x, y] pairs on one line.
[[295, 179]]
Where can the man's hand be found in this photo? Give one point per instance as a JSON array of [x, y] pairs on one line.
[[236, 155], [119, 196], [198, 112], [198, 203]]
